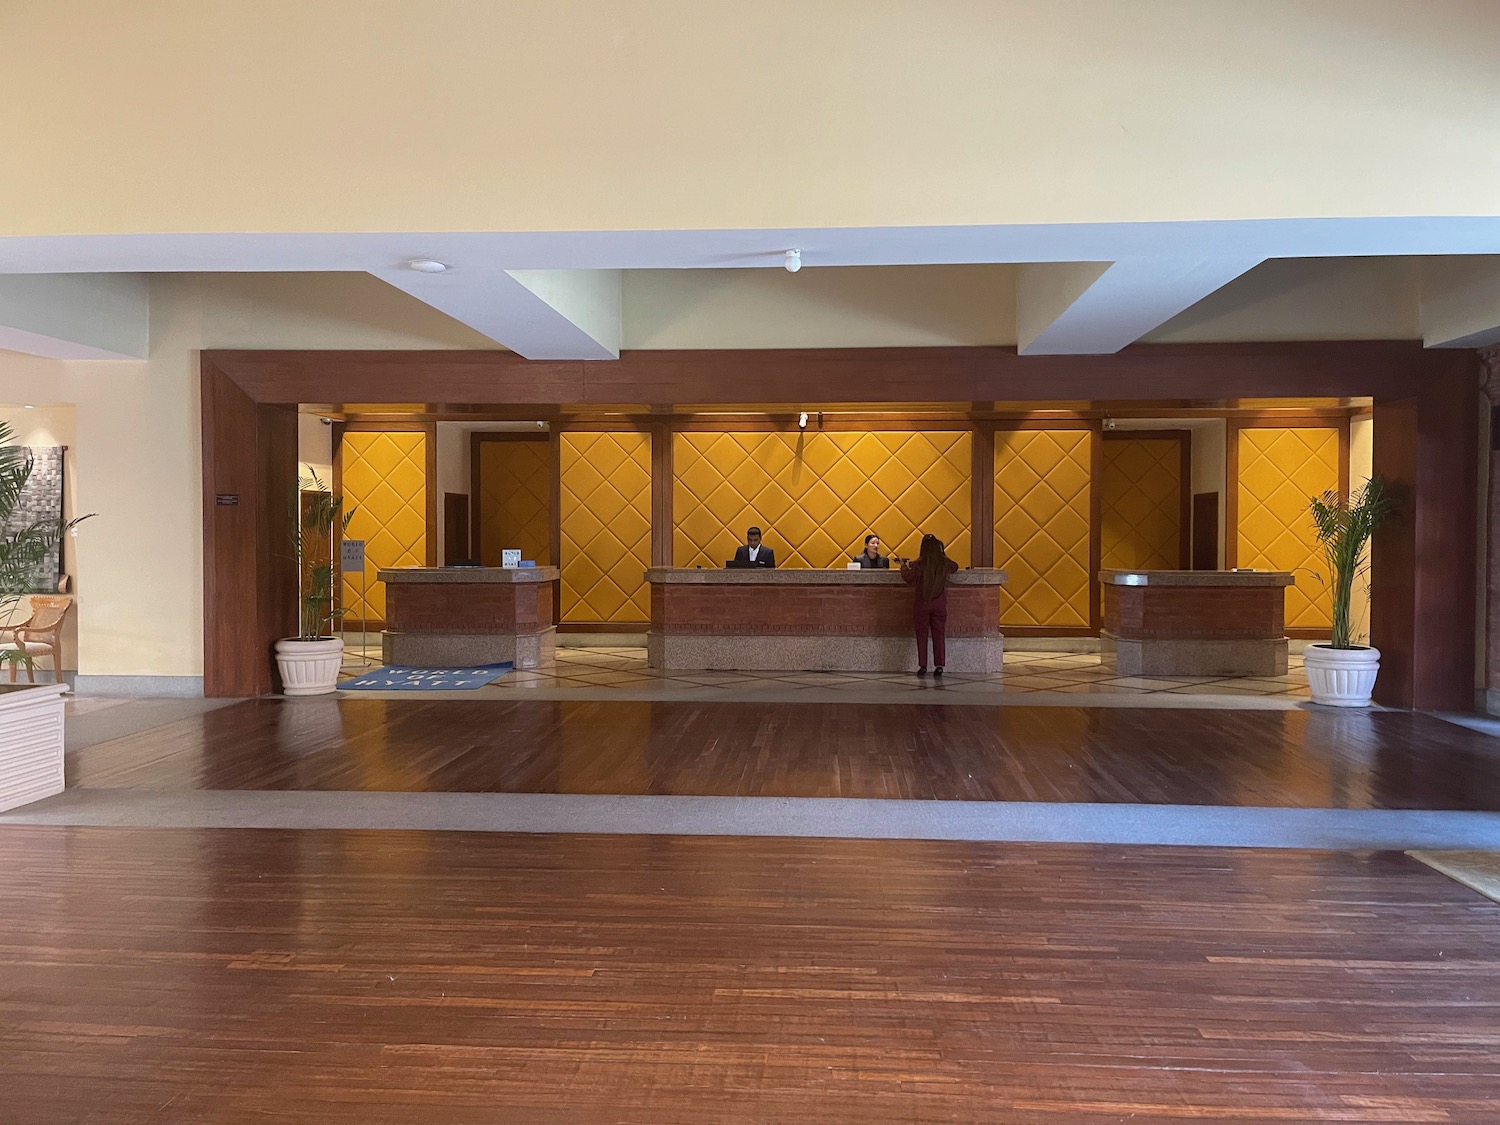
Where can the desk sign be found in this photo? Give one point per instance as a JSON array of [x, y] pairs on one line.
[[352, 554], [510, 560]]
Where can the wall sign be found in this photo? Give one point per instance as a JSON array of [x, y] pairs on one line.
[[227, 499]]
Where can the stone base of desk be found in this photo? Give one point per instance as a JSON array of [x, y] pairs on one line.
[[800, 653], [1176, 656], [456, 650]]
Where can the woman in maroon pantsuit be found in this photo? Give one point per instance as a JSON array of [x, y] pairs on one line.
[[929, 574]]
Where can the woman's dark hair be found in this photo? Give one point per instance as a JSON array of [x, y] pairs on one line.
[[934, 566], [868, 538]]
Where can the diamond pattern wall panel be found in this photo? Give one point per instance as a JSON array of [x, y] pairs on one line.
[[1140, 500], [1279, 471], [606, 527], [515, 500], [384, 480], [817, 495], [1043, 492]]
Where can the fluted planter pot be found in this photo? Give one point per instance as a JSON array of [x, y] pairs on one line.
[[309, 667], [1341, 677]]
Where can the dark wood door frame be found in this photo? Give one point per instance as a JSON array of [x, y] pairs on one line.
[[1425, 444]]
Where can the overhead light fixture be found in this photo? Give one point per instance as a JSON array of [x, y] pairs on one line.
[[27, 406], [426, 265], [793, 261], [802, 421]]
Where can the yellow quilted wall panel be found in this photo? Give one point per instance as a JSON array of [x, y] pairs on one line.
[[1140, 501], [1043, 493], [1279, 471], [817, 495], [605, 513], [514, 494], [384, 480]]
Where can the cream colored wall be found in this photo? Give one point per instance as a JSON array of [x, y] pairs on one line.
[[1361, 461], [46, 426], [314, 448], [854, 307], [712, 116], [1306, 299]]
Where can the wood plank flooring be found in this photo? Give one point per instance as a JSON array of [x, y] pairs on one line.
[[1308, 759], [390, 978]]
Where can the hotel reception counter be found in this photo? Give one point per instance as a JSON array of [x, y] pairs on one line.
[[1195, 622], [813, 620], [455, 616]]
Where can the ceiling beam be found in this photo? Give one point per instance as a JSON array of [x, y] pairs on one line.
[[1097, 308], [538, 314], [76, 315], [1460, 302]]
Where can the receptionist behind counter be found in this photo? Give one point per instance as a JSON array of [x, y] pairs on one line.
[[752, 553], [871, 558]]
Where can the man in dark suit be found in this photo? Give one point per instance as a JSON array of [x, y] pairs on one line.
[[752, 553]]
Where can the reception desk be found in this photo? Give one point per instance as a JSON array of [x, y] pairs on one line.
[[1195, 622], [813, 620], [452, 617]]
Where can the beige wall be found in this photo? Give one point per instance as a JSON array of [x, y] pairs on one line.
[[1306, 299], [852, 307], [669, 114]]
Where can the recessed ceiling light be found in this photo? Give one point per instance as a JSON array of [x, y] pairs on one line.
[[426, 265]]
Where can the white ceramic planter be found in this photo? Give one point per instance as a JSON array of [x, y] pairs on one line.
[[309, 667], [1341, 677], [31, 744]]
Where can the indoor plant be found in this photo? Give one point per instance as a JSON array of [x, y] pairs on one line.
[[309, 663], [1342, 672], [31, 717]]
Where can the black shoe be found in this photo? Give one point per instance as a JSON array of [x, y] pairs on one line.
[[921, 671], [938, 671]]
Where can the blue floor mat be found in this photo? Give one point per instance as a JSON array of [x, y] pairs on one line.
[[396, 677]]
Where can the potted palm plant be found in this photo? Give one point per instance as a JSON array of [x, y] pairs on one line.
[[309, 663], [1342, 672]]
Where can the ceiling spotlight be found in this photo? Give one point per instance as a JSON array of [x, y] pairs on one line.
[[793, 261], [802, 421], [426, 265]]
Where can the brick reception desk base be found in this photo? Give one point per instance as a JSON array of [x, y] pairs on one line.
[[813, 620], [456, 616], [1195, 622]]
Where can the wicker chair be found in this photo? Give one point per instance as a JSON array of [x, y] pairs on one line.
[[40, 633]]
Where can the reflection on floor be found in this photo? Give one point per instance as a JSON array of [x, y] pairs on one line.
[[348, 978], [603, 672]]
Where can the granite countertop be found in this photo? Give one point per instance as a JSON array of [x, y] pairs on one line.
[[470, 575], [799, 577], [1196, 578]]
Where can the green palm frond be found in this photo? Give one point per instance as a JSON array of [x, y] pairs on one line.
[[1344, 528], [316, 512], [24, 549]]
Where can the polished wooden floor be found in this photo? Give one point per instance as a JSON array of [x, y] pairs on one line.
[[366, 978], [1309, 759]]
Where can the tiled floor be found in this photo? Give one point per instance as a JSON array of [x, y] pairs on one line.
[[1071, 673]]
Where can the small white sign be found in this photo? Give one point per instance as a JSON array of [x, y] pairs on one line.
[[352, 555], [510, 560]]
